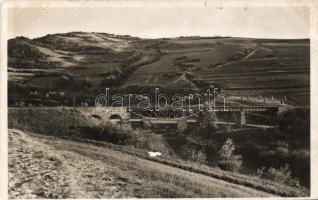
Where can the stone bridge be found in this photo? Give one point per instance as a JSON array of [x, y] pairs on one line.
[[116, 114], [122, 114]]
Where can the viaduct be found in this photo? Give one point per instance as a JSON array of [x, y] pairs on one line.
[[170, 116]]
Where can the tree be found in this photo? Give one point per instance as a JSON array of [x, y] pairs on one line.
[[227, 159], [207, 119], [182, 126]]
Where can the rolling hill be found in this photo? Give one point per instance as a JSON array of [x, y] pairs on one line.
[[71, 69], [53, 69]]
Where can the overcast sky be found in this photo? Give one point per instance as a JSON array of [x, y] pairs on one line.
[[257, 22]]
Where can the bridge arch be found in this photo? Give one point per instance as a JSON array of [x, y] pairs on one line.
[[111, 114], [116, 119]]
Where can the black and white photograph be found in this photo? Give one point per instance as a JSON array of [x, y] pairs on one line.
[[160, 101]]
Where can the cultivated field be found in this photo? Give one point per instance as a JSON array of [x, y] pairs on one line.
[[59, 149], [81, 65]]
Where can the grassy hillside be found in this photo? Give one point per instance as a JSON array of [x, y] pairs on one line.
[[81, 65], [179, 152], [79, 170], [49, 121]]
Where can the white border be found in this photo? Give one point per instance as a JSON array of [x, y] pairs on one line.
[[3, 107], [162, 3]]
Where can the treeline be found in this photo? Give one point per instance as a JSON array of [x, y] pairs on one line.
[[23, 54], [272, 149], [55, 43], [22, 48], [120, 74], [237, 56]]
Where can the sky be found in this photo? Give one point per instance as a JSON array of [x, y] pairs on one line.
[[156, 22]]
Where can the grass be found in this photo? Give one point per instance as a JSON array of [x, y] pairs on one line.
[[62, 121], [157, 179], [47, 121]]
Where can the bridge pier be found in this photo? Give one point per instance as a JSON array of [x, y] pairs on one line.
[[242, 121]]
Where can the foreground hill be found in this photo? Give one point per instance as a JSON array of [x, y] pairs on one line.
[[54, 69], [65, 136], [78, 170]]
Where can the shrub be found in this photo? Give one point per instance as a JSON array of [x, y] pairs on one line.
[[299, 161], [280, 175], [301, 154], [282, 151], [108, 133], [199, 156], [227, 159]]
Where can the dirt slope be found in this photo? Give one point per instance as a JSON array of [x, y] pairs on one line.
[[55, 168]]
